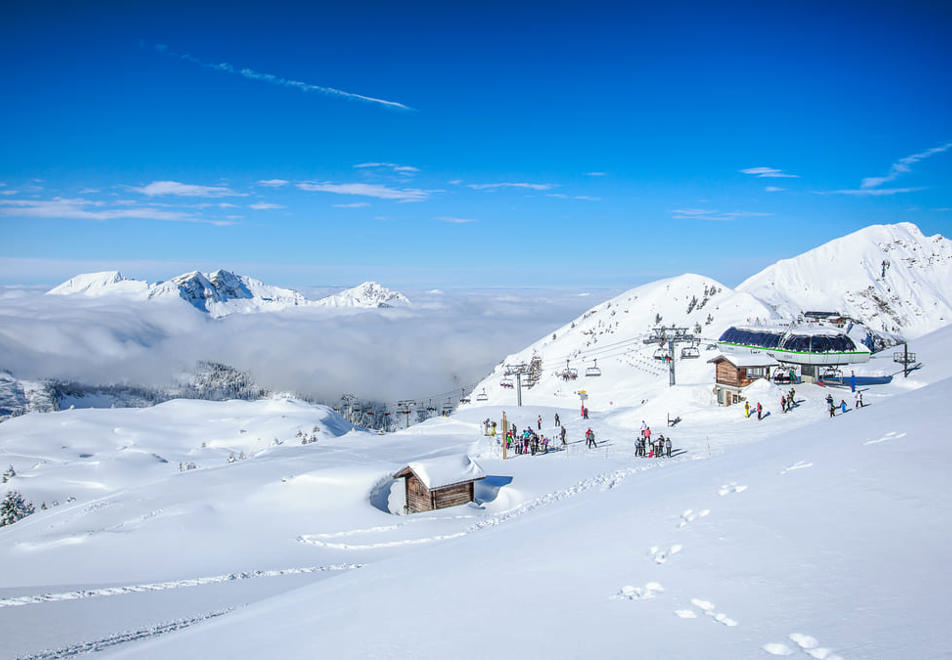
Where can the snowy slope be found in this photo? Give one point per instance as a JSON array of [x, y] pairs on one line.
[[757, 538], [222, 293], [613, 332], [912, 296], [368, 294]]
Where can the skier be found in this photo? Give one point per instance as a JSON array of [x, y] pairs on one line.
[[783, 403], [493, 429], [759, 411], [667, 445], [644, 427], [832, 409], [562, 436], [585, 413], [557, 423], [539, 422], [660, 452], [859, 399], [747, 409], [829, 399], [590, 439], [790, 398], [843, 405]]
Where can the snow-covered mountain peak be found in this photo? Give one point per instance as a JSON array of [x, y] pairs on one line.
[[890, 277], [97, 284], [368, 294]]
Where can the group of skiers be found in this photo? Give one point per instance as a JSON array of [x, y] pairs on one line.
[[646, 447], [787, 401], [528, 442], [759, 409], [858, 403]]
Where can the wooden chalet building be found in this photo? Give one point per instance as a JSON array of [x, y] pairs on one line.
[[735, 371], [438, 483]]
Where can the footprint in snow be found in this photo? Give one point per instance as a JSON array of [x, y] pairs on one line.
[[892, 435], [806, 643], [629, 592], [660, 556], [732, 487], [708, 608], [799, 465], [690, 516]]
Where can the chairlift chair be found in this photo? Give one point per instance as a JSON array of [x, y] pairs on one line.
[[506, 382], [465, 399], [661, 353], [690, 352], [593, 370], [569, 373], [482, 396]]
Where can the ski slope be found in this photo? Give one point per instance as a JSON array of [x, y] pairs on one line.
[[797, 534]]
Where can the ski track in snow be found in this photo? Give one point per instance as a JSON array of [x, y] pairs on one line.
[[604, 481], [165, 586], [122, 638]]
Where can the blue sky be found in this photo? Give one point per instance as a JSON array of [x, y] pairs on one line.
[[550, 144]]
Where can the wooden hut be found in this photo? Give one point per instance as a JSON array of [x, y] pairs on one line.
[[438, 483], [735, 371]]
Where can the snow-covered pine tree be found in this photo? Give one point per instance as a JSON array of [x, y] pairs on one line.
[[14, 508]]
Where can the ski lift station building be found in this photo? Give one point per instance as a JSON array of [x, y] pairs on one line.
[[437, 483], [736, 370], [809, 347]]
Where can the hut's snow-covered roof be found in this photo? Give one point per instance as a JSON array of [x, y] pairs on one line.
[[747, 359], [444, 471]]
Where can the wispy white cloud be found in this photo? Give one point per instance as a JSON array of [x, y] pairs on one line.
[[456, 221], [83, 209], [367, 190], [774, 189], [769, 172], [251, 74], [595, 174], [186, 190], [874, 192], [455, 182], [714, 214], [273, 183], [405, 170], [352, 205], [264, 206], [903, 166], [9, 192], [496, 186], [582, 197]]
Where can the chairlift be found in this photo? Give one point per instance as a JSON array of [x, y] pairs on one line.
[[465, 399], [568, 373], [507, 383], [482, 396], [661, 353], [690, 352], [593, 370], [831, 372]]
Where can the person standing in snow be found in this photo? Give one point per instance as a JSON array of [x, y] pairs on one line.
[[829, 399], [783, 403], [562, 435], [859, 399], [747, 409], [644, 427], [557, 423], [759, 411], [637, 446], [539, 422], [667, 446], [660, 451], [843, 405], [791, 399], [585, 413], [590, 439], [832, 410]]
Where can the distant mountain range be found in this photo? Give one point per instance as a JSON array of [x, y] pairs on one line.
[[222, 292]]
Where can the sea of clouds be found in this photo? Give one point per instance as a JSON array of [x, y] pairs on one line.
[[445, 340]]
